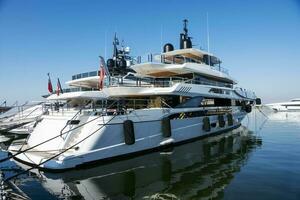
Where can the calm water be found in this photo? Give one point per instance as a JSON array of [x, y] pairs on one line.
[[260, 160]]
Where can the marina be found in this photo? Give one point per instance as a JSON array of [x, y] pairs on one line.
[[196, 104]]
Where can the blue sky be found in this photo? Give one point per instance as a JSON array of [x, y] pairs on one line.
[[258, 40]]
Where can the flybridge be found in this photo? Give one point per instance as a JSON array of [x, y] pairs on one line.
[[121, 62], [191, 55], [187, 51], [181, 62]]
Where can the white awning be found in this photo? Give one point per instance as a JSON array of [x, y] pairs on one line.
[[78, 95]]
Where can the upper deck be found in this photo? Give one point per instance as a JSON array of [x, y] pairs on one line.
[[191, 53], [184, 61]]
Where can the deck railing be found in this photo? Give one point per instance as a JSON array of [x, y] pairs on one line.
[[85, 75], [133, 81], [161, 82], [178, 59]]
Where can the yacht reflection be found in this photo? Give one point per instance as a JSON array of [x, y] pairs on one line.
[[201, 169], [285, 116]]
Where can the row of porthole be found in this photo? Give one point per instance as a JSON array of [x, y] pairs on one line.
[[207, 125], [129, 135]]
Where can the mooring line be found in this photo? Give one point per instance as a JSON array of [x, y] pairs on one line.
[[25, 150], [16, 175]]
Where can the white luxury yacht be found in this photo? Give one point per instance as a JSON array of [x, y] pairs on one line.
[[174, 97], [293, 105]]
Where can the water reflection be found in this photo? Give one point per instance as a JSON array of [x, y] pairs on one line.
[[198, 170], [293, 117]]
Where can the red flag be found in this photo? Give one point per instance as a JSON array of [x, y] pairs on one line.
[[59, 89], [50, 89], [101, 76]]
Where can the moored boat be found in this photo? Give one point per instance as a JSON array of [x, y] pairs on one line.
[[21, 119], [292, 106], [172, 98]]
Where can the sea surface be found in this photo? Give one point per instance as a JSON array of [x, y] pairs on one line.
[[259, 160]]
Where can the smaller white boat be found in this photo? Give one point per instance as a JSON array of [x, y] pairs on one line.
[[293, 105], [21, 119]]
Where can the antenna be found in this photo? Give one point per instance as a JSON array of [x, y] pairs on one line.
[[161, 36], [105, 44], [115, 43], [185, 21], [207, 32]]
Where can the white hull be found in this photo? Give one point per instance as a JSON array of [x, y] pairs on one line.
[[108, 142]]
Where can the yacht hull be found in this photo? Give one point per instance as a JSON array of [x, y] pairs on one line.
[[148, 139]]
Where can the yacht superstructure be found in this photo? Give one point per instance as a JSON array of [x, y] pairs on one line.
[[174, 97]]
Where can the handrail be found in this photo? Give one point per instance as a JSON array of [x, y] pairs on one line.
[[152, 57], [85, 75], [31, 112], [166, 82], [165, 103], [61, 131], [220, 69]]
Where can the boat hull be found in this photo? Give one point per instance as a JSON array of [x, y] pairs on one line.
[[183, 131]]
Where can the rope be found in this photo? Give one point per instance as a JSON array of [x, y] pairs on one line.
[[52, 157], [50, 139], [79, 112], [258, 108]]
